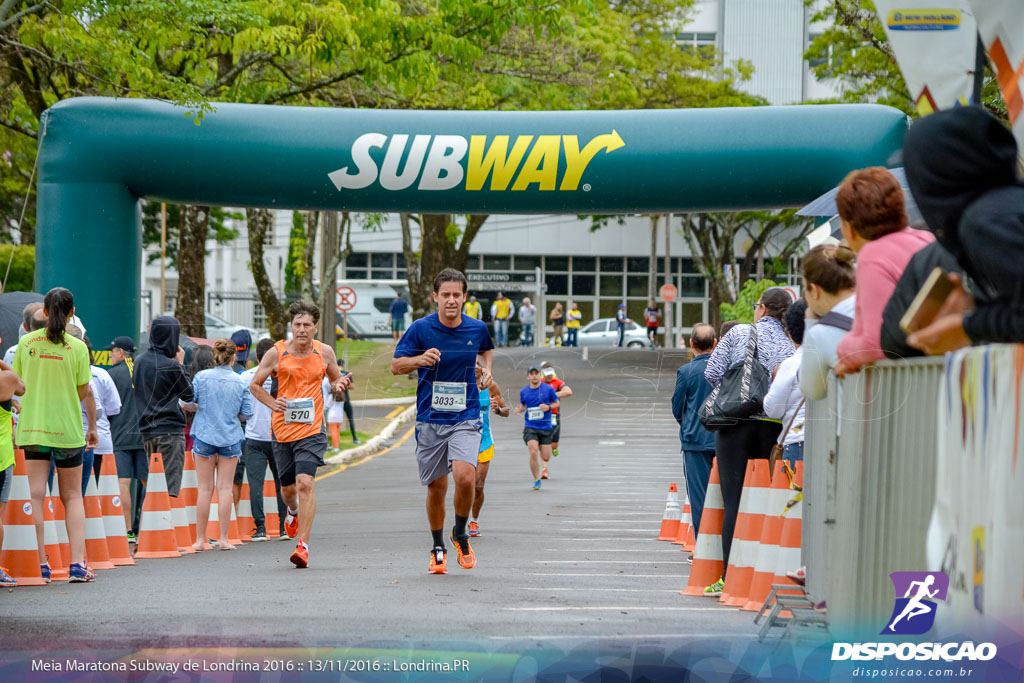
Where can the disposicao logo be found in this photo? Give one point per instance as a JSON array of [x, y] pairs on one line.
[[437, 162], [914, 614]]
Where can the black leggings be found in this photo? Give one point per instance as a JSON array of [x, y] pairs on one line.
[[734, 446], [349, 414]]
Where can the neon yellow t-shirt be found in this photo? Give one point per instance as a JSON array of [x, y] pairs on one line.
[[472, 309], [501, 308], [51, 414], [6, 447]]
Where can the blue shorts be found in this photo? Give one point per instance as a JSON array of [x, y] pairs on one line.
[[205, 450]]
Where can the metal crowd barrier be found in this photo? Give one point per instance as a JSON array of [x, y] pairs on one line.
[[869, 488]]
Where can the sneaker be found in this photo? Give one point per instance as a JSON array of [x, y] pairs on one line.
[[44, 569], [260, 535], [715, 589], [554, 452], [536, 485], [79, 573], [291, 524], [356, 441], [437, 563], [467, 560], [132, 538], [6, 579], [474, 529], [799, 576], [544, 473], [283, 536], [689, 560], [300, 558]]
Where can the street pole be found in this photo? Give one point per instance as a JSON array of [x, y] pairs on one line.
[[163, 258], [669, 336], [541, 319], [344, 331]]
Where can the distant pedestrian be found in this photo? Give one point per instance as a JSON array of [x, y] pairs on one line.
[[652, 314], [536, 400], [784, 400], [347, 402], [473, 309], [132, 463], [396, 312], [572, 324], [221, 401], [528, 319], [26, 326], [557, 318], [696, 442], [501, 312], [620, 322], [243, 344]]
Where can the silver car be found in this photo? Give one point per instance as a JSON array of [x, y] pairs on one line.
[[605, 332]]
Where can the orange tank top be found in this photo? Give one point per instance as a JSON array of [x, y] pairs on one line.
[[299, 378]]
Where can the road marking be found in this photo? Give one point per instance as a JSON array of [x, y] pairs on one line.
[[623, 562], [610, 538], [612, 609], [395, 412], [606, 443], [368, 458], [620, 575], [646, 531], [608, 550], [607, 590]]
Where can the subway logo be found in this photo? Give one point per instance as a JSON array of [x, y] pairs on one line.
[[497, 163]]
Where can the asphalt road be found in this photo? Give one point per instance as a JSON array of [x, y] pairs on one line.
[[573, 565]]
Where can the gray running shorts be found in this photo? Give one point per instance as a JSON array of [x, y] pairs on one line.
[[438, 445]]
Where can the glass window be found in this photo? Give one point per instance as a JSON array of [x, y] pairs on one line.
[[400, 260], [587, 309], [607, 307], [383, 260], [587, 263], [691, 286], [528, 263], [497, 262], [611, 264], [558, 285], [357, 261], [635, 310], [473, 262], [611, 285], [382, 274], [636, 285], [556, 262], [692, 314], [687, 266], [599, 326], [637, 264], [356, 273], [382, 303], [401, 274], [584, 285]]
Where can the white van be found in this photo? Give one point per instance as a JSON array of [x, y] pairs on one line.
[[370, 317]]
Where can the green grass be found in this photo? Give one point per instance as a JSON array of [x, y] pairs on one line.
[[345, 438], [370, 364]]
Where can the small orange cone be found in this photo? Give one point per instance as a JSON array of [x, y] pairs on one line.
[[20, 553], [272, 520], [190, 492], [113, 513], [766, 566], [670, 519], [707, 553], [59, 570], [179, 518], [97, 554], [156, 533], [747, 536], [789, 543], [246, 523], [685, 537], [61, 524]]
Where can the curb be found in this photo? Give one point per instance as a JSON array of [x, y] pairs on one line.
[[376, 443], [385, 401]]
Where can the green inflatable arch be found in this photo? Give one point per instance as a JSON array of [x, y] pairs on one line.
[[98, 157]]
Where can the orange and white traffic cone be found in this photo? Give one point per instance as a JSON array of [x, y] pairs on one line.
[[670, 518], [246, 523], [789, 542], [97, 554], [685, 537], [61, 524], [59, 570], [766, 568], [179, 518], [20, 553], [272, 520], [707, 553], [190, 492], [113, 513], [156, 530], [747, 535]]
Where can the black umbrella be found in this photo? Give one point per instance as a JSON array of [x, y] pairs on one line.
[[12, 307]]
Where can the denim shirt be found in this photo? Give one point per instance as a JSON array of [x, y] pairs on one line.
[[221, 395]]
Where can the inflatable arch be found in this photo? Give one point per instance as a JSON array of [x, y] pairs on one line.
[[98, 157]]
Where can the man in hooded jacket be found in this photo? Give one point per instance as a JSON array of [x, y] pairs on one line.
[[160, 382], [961, 165]]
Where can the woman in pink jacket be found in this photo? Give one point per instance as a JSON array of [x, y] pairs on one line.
[[874, 222]]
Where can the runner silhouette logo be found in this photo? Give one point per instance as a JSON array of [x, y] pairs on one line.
[[916, 596]]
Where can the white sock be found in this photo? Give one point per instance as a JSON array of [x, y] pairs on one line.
[[293, 513]]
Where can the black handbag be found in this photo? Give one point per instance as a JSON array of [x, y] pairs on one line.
[[741, 392]]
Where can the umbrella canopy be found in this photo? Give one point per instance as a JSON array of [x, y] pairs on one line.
[[825, 205], [12, 306]]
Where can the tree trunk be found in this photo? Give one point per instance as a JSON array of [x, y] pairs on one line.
[[259, 222], [419, 298], [190, 309], [438, 251], [308, 252], [328, 277]]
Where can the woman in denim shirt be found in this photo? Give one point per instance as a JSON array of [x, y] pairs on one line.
[[222, 401]]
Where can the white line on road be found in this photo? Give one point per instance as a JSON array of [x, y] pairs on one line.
[[622, 562], [592, 589], [608, 550], [620, 575], [612, 609], [607, 443], [648, 531]]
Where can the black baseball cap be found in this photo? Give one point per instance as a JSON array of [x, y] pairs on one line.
[[533, 368], [125, 343]]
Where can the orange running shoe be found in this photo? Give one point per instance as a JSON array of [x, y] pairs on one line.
[[300, 558], [291, 523], [544, 473], [437, 563], [474, 529], [467, 560]]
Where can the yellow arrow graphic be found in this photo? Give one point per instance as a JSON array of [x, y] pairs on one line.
[[577, 161]]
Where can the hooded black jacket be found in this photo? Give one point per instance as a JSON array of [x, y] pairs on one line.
[[961, 165], [160, 381], [124, 427]]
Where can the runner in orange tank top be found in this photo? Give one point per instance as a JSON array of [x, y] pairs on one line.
[[297, 422]]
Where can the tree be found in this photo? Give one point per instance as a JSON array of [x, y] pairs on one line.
[[259, 222], [743, 309], [190, 304], [443, 244], [219, 231]]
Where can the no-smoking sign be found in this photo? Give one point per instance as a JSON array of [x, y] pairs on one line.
[[346, 299]]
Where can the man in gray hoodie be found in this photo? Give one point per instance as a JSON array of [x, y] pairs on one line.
[[160, 382]]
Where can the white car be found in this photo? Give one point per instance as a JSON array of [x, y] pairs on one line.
[[218, 328], [605, 332]]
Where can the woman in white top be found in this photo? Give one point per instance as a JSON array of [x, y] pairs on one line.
[[829, 288], [784, 399], [334, 408]]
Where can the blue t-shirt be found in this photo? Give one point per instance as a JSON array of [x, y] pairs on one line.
[[398, 308], [532, 398], [459, 347]]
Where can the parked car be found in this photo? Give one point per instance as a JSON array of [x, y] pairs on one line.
[[605, 332], [219, 328]]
